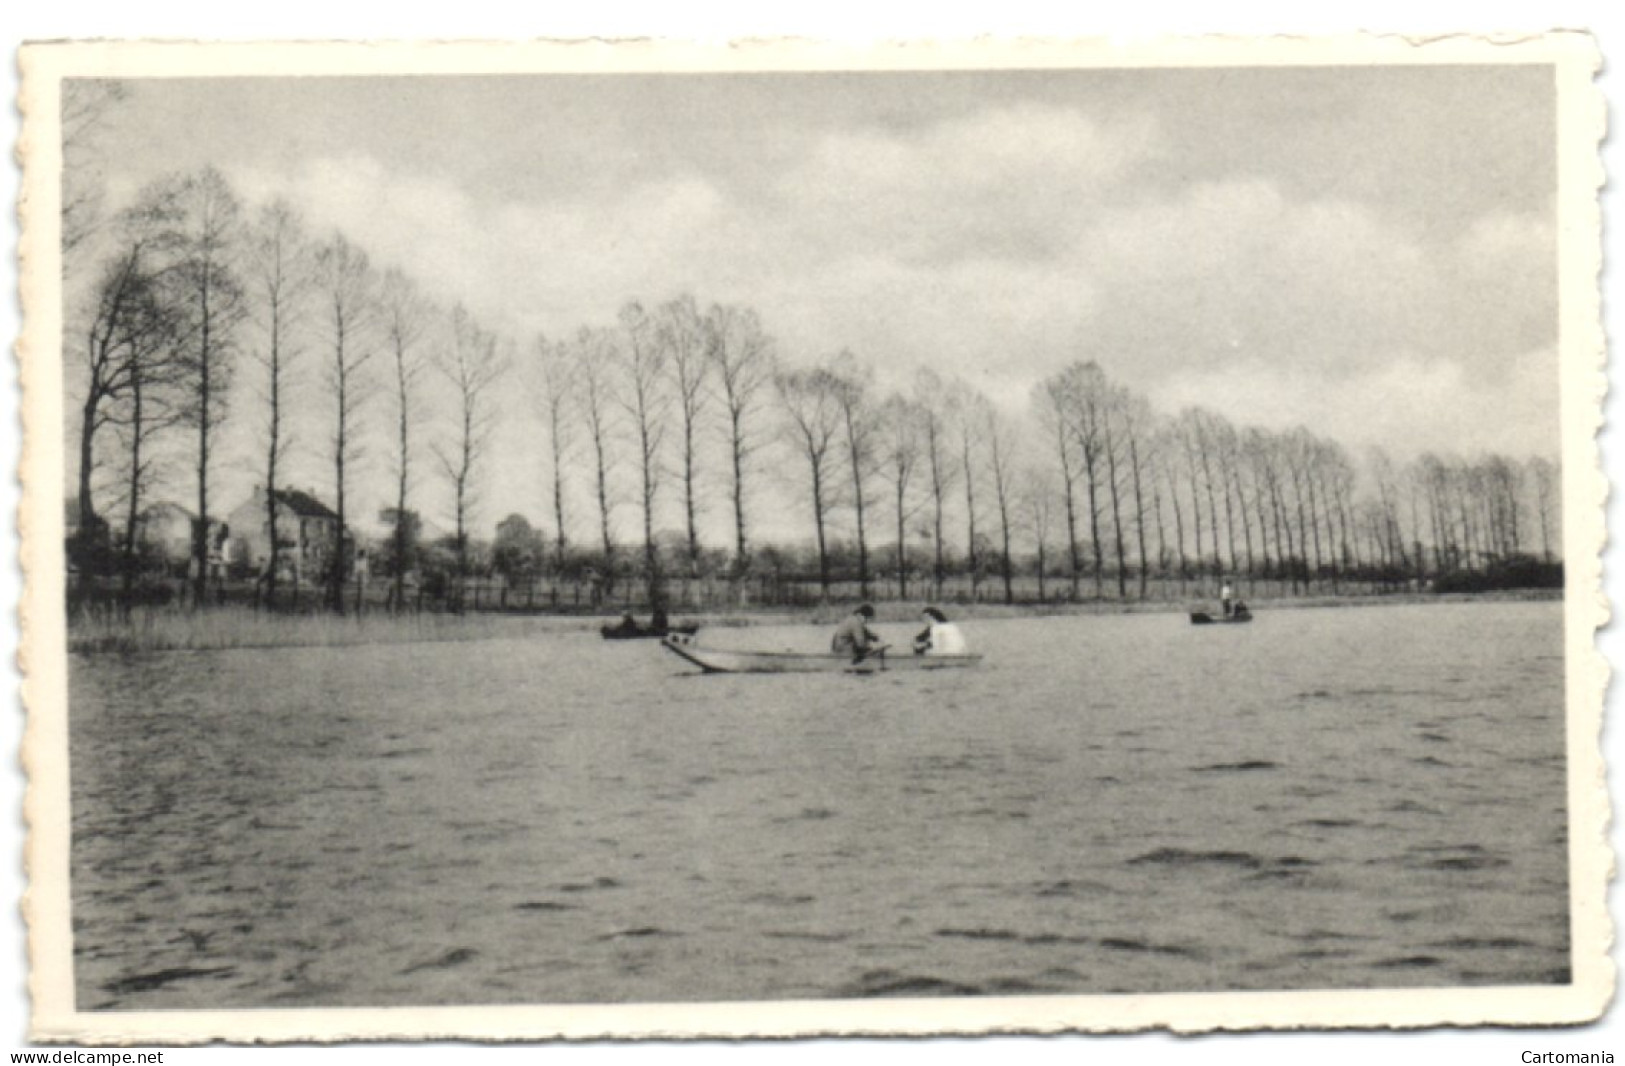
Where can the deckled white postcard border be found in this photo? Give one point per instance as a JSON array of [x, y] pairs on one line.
[[54, 1018]]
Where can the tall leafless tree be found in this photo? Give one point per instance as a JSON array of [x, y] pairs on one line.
[[900, 423], [741, 357], [1136, 436], [209, 297], [1002, 463], [1087, 396], [1036, 492], [860, 436], [148, 404], [1052, 402], [968, 430], [279, 278], [1543, 473], [813, 410], [592, 354], [473, 365], [643, 395], [681, 335], [120, 302], [931, 403], [346, 294], [404, 318], [555, 389]]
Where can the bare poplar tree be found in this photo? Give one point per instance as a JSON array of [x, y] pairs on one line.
[[681, 335], [149, 403], [1001, 464], [931, 404], [404, 321], [809, 399], [1086, 394], [968, 438], [1169, 469], [473, 366], [642, 393], [279, 275], [851, 388], [554, 385], [1543, 473], [1053, 402], [1255, 457], [592, 354], [741, 356], [1191, 445], [900, 424], [208, 293], [1135, 425], [346, 295], [1036, 491], [119, 302]]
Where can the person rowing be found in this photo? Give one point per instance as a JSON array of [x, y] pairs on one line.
[[854, 637], [940, 636]]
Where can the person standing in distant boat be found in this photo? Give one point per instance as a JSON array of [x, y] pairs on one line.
[[853, 636], [940, 636], [1227, 599]]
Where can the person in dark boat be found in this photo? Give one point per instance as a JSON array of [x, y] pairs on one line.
[[1227, 600], [628, 624], [940, 636], [853, 636]]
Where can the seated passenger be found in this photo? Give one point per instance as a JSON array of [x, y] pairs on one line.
[[940, 636], [853, 636]]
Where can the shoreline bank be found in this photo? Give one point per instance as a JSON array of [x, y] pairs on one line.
[[234, 628]]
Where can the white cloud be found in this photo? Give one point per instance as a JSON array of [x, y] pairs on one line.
[[1406, 406]]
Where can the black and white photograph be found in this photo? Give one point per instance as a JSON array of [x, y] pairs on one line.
[[791, 540]]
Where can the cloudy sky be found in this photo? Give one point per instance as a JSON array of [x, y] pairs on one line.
[[1367, 250]]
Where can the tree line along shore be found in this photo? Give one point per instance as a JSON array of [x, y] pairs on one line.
[[192, 312], [238, 627]]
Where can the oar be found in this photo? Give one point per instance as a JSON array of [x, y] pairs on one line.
[[878, 649]]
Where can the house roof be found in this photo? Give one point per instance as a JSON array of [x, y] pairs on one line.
[[166, 509], [304, 504]]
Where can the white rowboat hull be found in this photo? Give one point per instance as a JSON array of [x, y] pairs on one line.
[[723, 661]]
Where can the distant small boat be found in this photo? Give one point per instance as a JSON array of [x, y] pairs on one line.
[[1241, 614], [636, 632], [723, 661]]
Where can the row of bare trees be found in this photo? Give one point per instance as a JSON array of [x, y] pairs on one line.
[[664, 388], [193, 287], [683, 410], [1088, 486]]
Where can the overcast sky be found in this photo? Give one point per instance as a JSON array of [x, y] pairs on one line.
[[1367, 251]]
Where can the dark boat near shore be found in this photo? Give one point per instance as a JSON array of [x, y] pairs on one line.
[[1241, 614], [622, 631]]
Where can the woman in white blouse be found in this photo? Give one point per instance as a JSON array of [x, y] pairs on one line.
[[940, 636]]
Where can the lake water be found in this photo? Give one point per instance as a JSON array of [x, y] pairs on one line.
[[1368, 797]]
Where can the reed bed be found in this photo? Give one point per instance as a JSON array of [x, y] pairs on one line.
[[224, 628]]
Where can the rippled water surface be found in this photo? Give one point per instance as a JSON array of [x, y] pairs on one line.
[[1326, 798]]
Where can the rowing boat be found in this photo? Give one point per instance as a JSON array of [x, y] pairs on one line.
[[724, 661], [619, 632], [1202, 618]]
